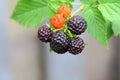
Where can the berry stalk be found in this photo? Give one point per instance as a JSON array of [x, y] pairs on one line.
[[78, 10]]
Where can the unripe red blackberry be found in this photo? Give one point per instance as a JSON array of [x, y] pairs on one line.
[[77, 25], [76, 46], [59, 42], [44, 33], [57, 21], [64, 10]]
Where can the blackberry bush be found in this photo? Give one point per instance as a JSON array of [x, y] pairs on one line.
[[101, 24]]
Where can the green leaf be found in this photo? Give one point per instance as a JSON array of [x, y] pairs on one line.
[[56, 3], [64, 1], [96, 24], [111, 11], [67, 1], [116, 26], [108, 1], [31, 12], [109, 29], [88, 1]]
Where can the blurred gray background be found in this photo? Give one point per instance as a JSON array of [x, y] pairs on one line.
[[24, 57]]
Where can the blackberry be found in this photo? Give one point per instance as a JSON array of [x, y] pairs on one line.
[[59, 42], [76, 46], [45, 33], [77, 25]]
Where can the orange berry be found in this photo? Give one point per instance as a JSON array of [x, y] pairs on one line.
[[57, 21], [64, 10]]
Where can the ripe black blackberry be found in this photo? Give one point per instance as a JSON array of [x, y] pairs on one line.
[[45, 33], [76, 46], [77, 25], [59, 42]]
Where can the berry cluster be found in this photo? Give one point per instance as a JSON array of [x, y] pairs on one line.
[[61, 29]]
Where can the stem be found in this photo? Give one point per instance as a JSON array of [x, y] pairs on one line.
[[48, 25], [70, 34], [65, 29], [78, 10], [85, 44], [55, 30]]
